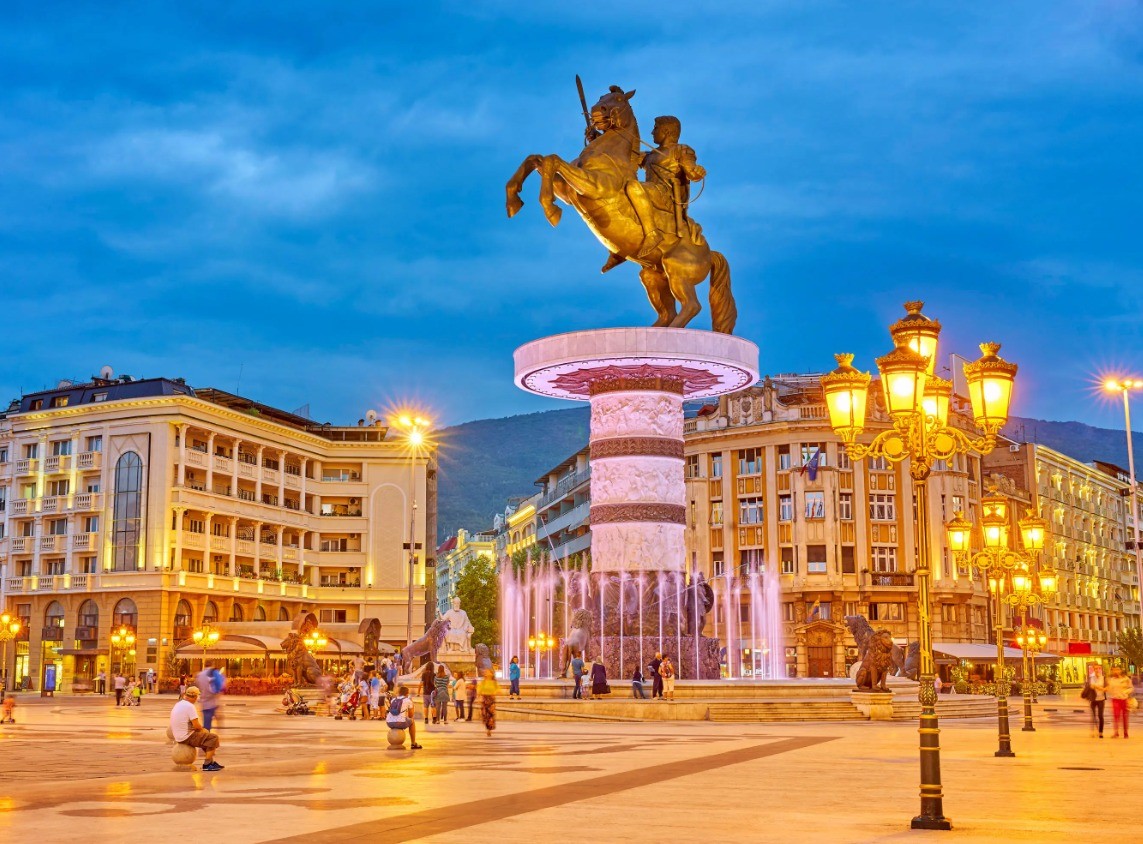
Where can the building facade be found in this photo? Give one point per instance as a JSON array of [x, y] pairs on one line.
[[563, 509], [453, 556], [1086, 507], [157, 507]]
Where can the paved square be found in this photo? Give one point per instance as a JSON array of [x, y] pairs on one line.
[[74, 764]]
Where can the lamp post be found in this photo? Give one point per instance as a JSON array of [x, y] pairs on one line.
[[1030, 638], [1125, 386], [917, 402], [206, 637], [122, 642], [416, 433], [9, 629], [1014, 578], [541, 644]]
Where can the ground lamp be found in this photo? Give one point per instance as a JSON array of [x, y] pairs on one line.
[[917, 402], [9, 629], [541, 644]]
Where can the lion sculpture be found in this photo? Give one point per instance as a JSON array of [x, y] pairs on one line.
[[577, 639], [483, 659], [902, 664], [873, 673], [427, 645], [300, 661]]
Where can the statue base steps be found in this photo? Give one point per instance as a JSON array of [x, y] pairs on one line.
[[876, 706]]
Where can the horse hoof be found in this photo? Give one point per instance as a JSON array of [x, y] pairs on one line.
[[553, 214], [514, 205]]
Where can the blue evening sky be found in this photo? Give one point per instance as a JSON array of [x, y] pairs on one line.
[[305, 201]]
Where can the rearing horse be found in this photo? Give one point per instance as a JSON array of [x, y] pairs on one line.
[[594, 185]]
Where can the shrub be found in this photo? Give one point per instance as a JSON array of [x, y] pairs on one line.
[[247, 686]]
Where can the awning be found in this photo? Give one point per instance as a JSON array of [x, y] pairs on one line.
[[982, 653], [82, 651], [246, 645]]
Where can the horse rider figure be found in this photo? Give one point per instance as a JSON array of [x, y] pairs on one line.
[[670, 169]]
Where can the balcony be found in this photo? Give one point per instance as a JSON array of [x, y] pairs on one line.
[[53, 504], [45, 583], [572, 518], [220, 543], [86, 502], [57, 463], [22, 544], [564, 486], [88, 461], [28, 466], [270, 475], [896, 578], [223, 464], [247, 470], [55, 544], [52, 633], [194, 457], [14, 584], [23, 507], [84, 541]]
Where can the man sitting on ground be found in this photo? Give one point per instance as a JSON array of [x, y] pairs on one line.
[[402, 717], [187, 729]]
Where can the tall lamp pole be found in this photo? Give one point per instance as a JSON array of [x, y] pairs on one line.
[[1125, 386], [416, 431], [917, 402], [9, 629]]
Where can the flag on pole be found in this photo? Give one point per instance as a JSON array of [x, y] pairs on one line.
[[815, 610], [811, 466]]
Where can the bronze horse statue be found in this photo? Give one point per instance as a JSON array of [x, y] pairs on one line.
[[594, 184]]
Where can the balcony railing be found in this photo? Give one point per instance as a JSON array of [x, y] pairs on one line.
[[85, 501], [28, 466], [897, 578], [23, 506], [88, 460], [53, 544], [22, 544], [57, 463], [52, 503], [84, 541]]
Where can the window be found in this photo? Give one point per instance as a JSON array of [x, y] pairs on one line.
[[789, 612], [884, 558], [785, 508], [716, 465], [37, 404], [750, 511], [878, 464], [789, 560], [28, 491], [783, 457], [59, 401], [183, 614], [57, 527], [54, 618], [816, 560], [958, 503], [4, 455], [948, 613], [815, 505], [93, 444], [750, 461], [809, 450], [843, 461], [692, 469], [100, 396], [31, 451], [59, 487], [91, 524], [333, 616], [126, 614], [717, 563], [882, 507], [716, 514], [848, 566], [89, 614], [61, 448], [210, 614], [236, 613], [881, 611], [87, 565], [52, 567], [845, 506], [127, 513]]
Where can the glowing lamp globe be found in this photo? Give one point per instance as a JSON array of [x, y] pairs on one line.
[[903, 377], [1021, 583], [1048, 583], [917, 332], [1032, 532], [936, 398], [846, 393], [959, 532], [990, 382]]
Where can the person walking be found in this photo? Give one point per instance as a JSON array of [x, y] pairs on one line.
[[209, 682], [120, 685], [471, 689], [637, 685], [487, 689], [514, 678], [459, 695], [402, 716], [428, 686], [151, 681], [1121, 692], [137, 693], [101, 682], [186, 728], [656, 677], [577, 675], [667, 672], [364, 692], [375, 683], [599, 686], [440, 696], [1095, 693], [182, 684]]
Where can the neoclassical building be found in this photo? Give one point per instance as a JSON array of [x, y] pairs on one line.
[[155, 506]]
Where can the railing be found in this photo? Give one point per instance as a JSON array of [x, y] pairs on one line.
[[196, 458], [898, 578], [46, 583], [220, 543], [79, 581], [86, 501], [342, 511], [343, 477], [53, 544], [564, 486], [57, 463], [88, 460], [21, 544], [193, 540], [22, 507], [27, 466], [84, 541], [246, 470], [269, 474], [14, 584], [223, 464], [247, 495], [246, 546], [52, 503]]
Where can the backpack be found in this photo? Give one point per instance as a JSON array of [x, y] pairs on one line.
[[395, 706]]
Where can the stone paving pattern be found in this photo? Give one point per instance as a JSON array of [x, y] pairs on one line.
[[80, 763]]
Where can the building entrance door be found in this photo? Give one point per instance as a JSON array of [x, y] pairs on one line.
[[819, 654]]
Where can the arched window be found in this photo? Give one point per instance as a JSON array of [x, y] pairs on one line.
[[126, 614], [236, 613], [89, 615], [259, 613], [183, 615], [127, 514], [54, 619], [283, 614], [210, 614]]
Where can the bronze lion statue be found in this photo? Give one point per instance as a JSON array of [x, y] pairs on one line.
[[873, 673], [427, 645], [483, 659], [578, 638], [300, 661]]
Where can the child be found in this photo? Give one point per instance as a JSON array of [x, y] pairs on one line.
[[9, 708]]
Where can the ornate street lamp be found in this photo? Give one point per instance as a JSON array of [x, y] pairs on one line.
[[1030, 639], [1125, 386], [540, 644], [122, 643], [416, 430], [9, 629], [315, 642], [918, 403], [1015, 578], [206, 637]]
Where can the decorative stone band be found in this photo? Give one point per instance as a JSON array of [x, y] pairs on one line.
[[618, 382], [637, 447], [602, 514]]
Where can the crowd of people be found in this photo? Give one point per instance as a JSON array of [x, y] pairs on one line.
[[1117, 688]]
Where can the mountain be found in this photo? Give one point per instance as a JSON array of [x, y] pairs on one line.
[[484, 463]]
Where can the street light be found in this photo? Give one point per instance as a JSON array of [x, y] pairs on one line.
[[918, 403], [1015, 577], [1125, 386], [415, 429], [206, 637], [9, 629], [315, 642], [540, 643], [1030, 638], [122, 642]]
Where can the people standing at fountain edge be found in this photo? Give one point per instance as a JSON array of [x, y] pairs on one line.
[[401, 716], [209, 682], [1121, 692], [667, 672], [472, 696], [599, 686], [637, 685], [440, 696], [459, 695], [187, 729], [577, 675], [487, 688], [656, 677], [1095, 693], [120, 686], [428, 686], [514, 678]]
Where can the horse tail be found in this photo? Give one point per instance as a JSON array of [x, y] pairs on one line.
[[723, 311]]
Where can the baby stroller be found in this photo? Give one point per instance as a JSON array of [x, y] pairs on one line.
[[295, 704], [348, 706]]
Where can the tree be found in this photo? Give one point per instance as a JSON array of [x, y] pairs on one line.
[[479, 594], [1131, 647]]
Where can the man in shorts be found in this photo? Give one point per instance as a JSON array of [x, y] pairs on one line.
[[187, 728], [402, 717]]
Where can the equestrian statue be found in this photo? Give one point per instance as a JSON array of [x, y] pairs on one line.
[[645, 222]]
